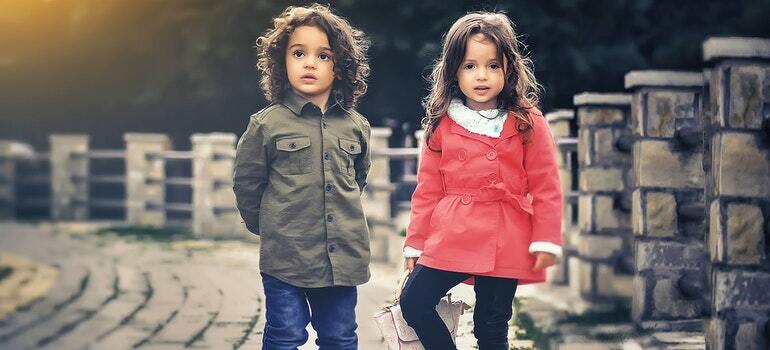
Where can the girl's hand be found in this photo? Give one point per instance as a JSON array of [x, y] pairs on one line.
[[409, 264], [544, 260]]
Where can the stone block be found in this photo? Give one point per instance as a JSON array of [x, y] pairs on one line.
[[668, 256], [637, 214], [663, 107], [656, 164], [716, 331], [600, 115], [747, 337], [585, 278], [573, 265], [599, 247], [669, 302], [584, 147], [585, 213], [715, 239], [607, 216], [740, 166], [601, 179], [746, 98], [639, 300], [660, 215], [69, 170], [604, 146], [742, 291], [745, 245]]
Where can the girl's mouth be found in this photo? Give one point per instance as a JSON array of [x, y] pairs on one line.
[[481, 90], [308, 78]]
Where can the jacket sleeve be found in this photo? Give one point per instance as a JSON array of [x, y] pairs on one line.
[[363, 163], [427, 194], [250, 174], [545, 187]]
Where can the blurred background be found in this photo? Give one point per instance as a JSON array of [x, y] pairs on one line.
[[105, 67]]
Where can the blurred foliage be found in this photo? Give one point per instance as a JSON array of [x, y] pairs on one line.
[[180, 67], [148, 233]]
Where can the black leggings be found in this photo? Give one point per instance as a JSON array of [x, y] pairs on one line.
[[494, 307]]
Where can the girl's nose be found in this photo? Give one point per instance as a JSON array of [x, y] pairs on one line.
[[310, 62], [482, 74]]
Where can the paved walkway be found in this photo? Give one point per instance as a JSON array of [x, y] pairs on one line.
[[119, 293]]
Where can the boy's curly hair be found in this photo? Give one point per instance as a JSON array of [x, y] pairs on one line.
[[351, 66]]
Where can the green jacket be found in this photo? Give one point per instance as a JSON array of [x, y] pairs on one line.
[[298, 180]]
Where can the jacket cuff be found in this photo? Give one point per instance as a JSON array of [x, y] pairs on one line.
[[410, 252], [548, 247]]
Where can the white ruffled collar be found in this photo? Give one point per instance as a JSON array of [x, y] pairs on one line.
[[488, 122]]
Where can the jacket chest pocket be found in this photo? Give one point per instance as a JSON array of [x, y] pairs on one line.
[[350, 150], [293, 155]]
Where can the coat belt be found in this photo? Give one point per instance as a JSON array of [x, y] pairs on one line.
[[492, 193]]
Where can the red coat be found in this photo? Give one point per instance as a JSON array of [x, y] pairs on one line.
[[470, 211]]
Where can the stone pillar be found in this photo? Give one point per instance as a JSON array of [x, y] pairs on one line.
[[670, 284], [214, 210], [737, 190], [69, 177], [145, 178], [559, 122], [7, 182], [376, 197], [604, 267]]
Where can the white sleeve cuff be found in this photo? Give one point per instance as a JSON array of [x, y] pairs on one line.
[[548, 247], [410, 252]]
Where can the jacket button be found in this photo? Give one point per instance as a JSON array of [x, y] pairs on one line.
[[352, 147], [324, 125], [328, 187], [462, 155], [327, 156], [465, 199], [329, 218], [491, 155], [332, 248], [292, 145]]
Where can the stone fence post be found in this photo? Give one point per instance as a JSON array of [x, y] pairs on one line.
[[738, 191], [7, 182], [145, 178], [670, 284], [559, 122], [69, 177], [214, 210], [376, 196], [603, 268]]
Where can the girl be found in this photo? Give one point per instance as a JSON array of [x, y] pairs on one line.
[[488, 203]]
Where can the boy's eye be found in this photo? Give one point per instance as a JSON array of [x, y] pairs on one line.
[[298, 54], [468, 66]]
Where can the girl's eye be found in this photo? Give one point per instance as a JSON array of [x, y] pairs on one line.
[[298, 54], [468, 66], [324, 57], [494, 66]]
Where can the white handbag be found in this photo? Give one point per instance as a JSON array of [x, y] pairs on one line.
[[399, 336]]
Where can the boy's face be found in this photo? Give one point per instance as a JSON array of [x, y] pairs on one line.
[[310, 63], [480, 74]]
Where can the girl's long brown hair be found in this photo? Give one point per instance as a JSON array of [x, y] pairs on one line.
[[349, 45], [521, 91]]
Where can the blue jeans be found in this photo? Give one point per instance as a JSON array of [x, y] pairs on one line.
[[333, 316]]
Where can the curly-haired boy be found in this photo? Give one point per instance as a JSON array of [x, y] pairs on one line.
[[300, 168]]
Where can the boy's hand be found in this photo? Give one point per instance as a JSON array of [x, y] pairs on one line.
[[544, 260], [409, 264]]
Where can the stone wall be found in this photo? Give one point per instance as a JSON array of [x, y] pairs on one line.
[[560, 122], [737, 189], [670, 291], [603, 268], [69, 177]]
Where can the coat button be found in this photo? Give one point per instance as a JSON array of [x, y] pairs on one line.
[[327, 156], [465, 199], [462, 155], [352, 147], [329, 218], [292, 145], [332, 248], [492, 177], [324, 125], [328, 187], [492, 155]]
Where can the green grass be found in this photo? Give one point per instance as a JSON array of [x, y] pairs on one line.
[[149, 233], [531, 332]]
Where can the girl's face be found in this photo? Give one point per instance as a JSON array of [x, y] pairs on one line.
[[310, 64], [480, 74]]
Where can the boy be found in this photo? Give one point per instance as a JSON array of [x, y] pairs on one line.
[[300, 168]]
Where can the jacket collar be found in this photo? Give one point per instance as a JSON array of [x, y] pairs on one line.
[[509, 130], [300, 105]]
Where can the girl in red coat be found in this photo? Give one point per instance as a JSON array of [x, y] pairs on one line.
[[488, 201]]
